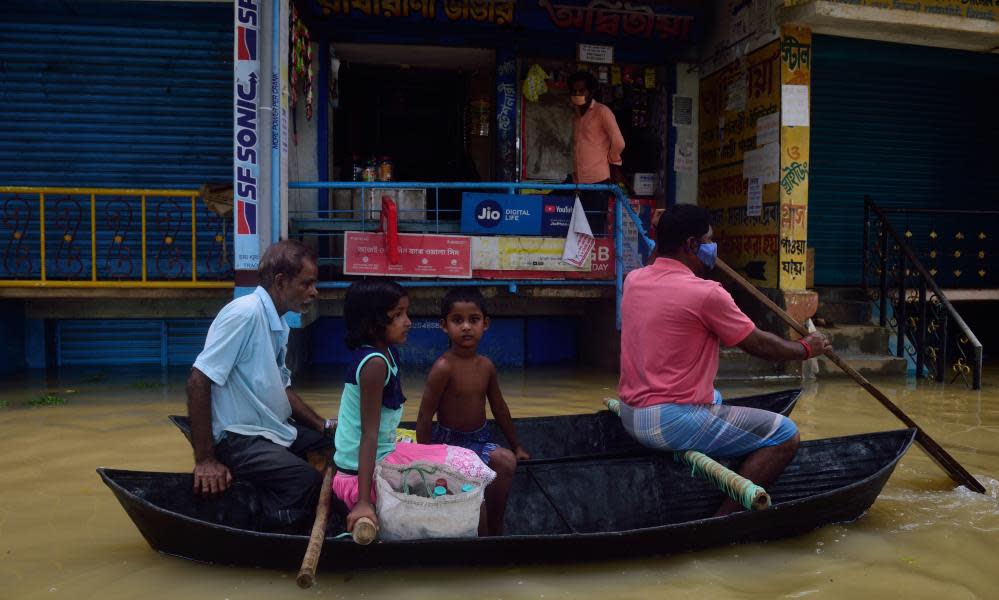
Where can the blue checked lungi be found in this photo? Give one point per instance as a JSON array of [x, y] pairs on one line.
[[714, 429]]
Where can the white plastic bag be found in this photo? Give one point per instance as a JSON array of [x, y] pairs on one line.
[[414, 515]]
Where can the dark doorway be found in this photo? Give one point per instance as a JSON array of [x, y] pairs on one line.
[[415, 116]]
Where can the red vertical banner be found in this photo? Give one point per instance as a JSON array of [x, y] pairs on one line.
[[390, 227]]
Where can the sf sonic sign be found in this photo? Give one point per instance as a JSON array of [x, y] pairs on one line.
[[246, 132]]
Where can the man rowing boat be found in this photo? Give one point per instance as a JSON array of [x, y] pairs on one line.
[[672, 324]]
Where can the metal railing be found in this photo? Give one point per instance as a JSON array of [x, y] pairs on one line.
[[112, 238], [910, 301], [332, 223]]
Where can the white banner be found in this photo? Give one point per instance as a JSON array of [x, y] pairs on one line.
[[579, 241], [246, 135]]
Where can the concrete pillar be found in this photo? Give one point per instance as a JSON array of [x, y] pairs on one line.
[[687, 84]]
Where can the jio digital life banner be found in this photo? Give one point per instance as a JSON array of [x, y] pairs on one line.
[[515, 214], [246, 163]]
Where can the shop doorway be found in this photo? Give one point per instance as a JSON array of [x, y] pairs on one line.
[[413, 106], [412, 116]]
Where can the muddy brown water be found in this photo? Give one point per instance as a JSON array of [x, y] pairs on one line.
[[63, 535]]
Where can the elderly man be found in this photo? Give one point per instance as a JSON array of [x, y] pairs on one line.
[[672, 324], [239, 395]]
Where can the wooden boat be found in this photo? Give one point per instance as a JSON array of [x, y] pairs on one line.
[[597, 433], [595, 508]]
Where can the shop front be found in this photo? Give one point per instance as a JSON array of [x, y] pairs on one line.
[[476, 90], [432, 104], [900, 113]]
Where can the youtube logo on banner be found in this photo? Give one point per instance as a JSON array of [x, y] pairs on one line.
[[556, 214]]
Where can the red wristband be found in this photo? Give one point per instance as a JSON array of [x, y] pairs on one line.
[[808, 349]]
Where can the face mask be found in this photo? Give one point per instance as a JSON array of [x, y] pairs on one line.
[[707, 253], [579, 100]]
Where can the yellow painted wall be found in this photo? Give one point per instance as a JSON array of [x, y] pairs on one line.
[[732, 102], [796, 45]]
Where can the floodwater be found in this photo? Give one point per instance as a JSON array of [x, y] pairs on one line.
[[63, 535]]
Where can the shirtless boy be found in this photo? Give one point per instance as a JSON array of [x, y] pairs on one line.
[[457, 388]]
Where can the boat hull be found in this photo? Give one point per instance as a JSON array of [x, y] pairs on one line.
[[560, 511]]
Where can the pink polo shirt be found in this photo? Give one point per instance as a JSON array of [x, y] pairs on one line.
[[672, 322], [597, 143]]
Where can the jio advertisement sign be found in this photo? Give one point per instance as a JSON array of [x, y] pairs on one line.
[[513, 214]]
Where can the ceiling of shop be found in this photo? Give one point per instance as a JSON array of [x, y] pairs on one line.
[[424, 57]]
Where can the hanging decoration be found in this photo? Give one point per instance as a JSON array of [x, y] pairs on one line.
[[300, 61], [534, 84]]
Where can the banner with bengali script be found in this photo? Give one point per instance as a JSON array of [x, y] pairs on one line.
[[796, 43], [607, 21], [420, 255], [739, 145]]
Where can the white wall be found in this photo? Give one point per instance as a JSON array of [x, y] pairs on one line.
[[687, 84], [302, 151], [739, 28]]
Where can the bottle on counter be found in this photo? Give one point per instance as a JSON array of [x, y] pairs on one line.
[[385, 169], [369, 173]]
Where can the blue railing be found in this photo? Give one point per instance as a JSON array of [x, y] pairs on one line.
[[325, 215]]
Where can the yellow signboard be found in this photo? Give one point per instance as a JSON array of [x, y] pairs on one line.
[[521, 253], [739, 161], [796, 43]]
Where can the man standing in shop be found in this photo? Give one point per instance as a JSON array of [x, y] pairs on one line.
[[597, 144]]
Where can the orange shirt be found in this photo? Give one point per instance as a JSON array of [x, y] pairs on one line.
[[596, 143], [672, 323]]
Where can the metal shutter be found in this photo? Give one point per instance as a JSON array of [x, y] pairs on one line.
[[185, 340], [907, 125], [93, 342], [115, 94], [90, 342]]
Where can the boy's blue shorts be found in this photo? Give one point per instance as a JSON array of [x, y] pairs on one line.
[[477, 441]]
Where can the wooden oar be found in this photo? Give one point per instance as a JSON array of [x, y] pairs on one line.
[[364, 531], [933, 449], [307, 574]]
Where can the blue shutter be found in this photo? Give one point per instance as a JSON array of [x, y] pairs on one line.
[[185, 340], [908, 125], [109, 342], [115, 94], [91, 342]]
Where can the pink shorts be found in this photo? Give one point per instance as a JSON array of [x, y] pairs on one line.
[[463, 460]]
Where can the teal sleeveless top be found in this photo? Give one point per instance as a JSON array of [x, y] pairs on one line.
[[348, 431]]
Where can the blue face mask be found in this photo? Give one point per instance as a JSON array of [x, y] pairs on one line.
[[707, 253]]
